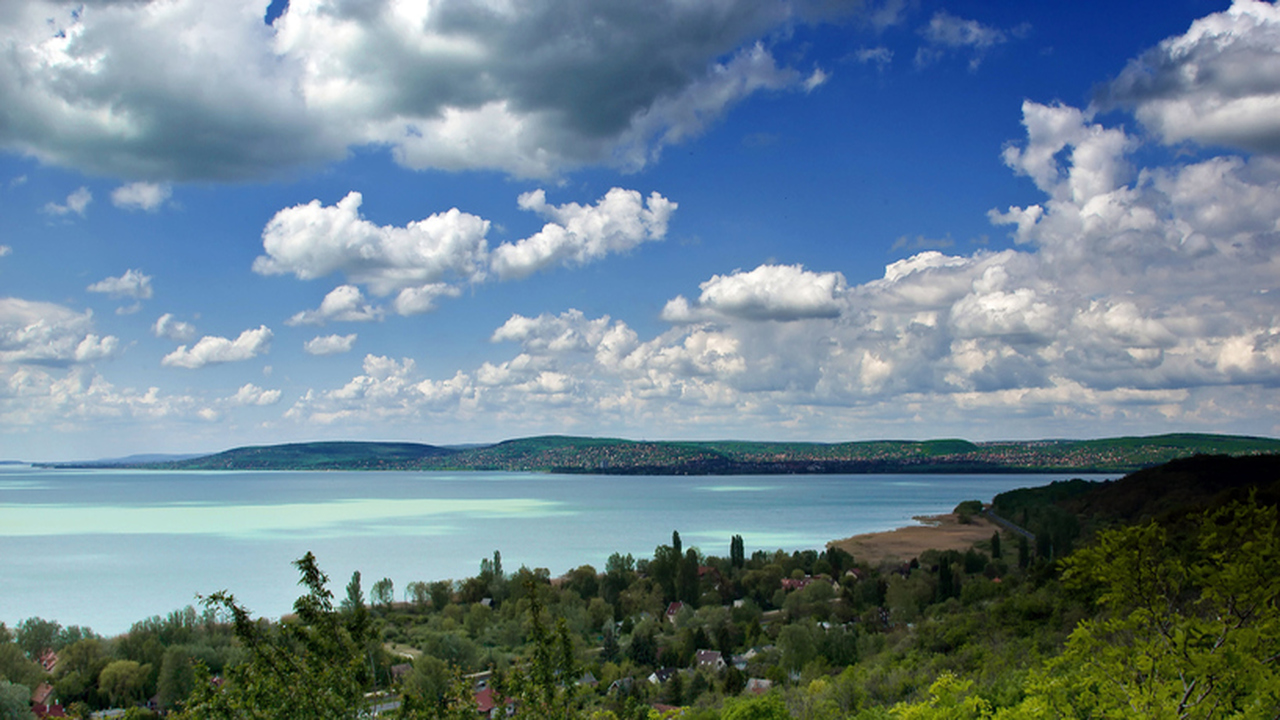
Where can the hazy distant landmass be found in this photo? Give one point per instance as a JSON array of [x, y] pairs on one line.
[[630, 457]]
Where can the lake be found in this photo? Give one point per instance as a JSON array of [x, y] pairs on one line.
[[106, 548]]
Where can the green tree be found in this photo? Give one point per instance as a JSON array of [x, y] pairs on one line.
[[123, 681], [949, 699], [763, 707], [177, 677], [313, 667], [687, 585], [737, 552], [15, 701], [995, 545], [355, 594], [441, 594], [619, 573], [420, 593], [383, 593], [545, 683], [16, 667], [79, 666], [36, 635], [429, 684], [1190, 626]]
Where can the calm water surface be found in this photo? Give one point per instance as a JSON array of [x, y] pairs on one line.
[[106, 548]]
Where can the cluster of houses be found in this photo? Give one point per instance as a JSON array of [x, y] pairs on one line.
[[43, 703]]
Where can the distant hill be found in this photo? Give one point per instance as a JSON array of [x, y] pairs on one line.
[[557, 453], [133, 460], [315, 456]]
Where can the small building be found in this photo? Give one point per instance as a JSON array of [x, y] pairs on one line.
[[673, 610], [48, 661], [711, 659], [43, 704], [487, 705], [661, 675]]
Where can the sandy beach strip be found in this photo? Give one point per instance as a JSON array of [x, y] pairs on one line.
[[937, 532]]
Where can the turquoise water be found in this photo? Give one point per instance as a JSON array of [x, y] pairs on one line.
[[106, 548]]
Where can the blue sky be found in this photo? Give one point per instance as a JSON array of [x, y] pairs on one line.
[[466, 221]]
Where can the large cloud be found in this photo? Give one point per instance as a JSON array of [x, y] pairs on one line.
[[156, 91], [187, 89], [1139, 296], [40, 333], [434, 257], [35, 399], [314, 240], [1219, 83]]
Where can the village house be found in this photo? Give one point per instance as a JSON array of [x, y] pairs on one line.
[[711, 659]]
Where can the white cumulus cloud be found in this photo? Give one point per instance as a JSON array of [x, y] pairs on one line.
[[579, 234], [167, 326], [1217, 84], [330, 344], [313, 240], [132, 284], [41, 333], [770, 292], [250, 394], [141, 196], [344, 303], [211, 349], [34, 398], [433, 258], [77, 202]]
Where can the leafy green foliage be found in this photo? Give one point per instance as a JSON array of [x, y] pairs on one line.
[[15, 701], [1191, 627], [314, 667]]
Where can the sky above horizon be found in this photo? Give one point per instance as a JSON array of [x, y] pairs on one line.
[[454, 221]]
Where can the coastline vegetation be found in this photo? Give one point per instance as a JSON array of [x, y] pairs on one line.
[[1155, 596], [563, 454]]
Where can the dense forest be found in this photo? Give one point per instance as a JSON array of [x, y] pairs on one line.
[[1155, 596]]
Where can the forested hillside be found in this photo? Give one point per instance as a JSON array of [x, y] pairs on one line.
[[615, 456], [1152, 596]]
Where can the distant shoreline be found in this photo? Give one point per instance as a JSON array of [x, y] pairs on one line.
[[612, 456]]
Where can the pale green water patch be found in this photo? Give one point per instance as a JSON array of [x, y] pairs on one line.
[[246, 521]]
